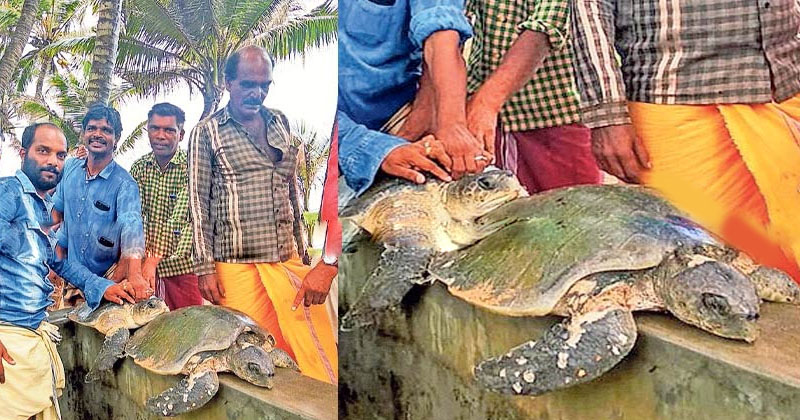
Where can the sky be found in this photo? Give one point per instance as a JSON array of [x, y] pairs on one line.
[[303, 89]]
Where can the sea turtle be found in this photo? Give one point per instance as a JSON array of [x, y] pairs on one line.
[[199, 341], [115, 322], [593, 254]]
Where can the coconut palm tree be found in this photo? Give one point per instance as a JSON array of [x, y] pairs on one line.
[[17, 41], [167, 43], [105, 51], [313, 157]]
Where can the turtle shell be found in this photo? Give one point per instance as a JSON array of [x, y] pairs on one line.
[[559, 237], [166, 343]]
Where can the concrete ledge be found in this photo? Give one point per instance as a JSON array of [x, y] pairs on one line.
[[121, 395], [417, 363]]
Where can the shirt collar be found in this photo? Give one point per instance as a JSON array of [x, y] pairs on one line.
[[27, 185], [179, 158], [106, 172], [268, 116]]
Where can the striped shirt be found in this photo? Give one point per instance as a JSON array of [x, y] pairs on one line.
[[165, 212], [549, 99], [683, 52], [244, 206]]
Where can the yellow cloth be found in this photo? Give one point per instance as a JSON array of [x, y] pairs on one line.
[[733, 168], [265, 292], [34, 383]]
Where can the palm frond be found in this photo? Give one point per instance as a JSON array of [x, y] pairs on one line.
[[130, 142]]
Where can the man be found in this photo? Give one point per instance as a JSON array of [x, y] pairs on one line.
[[100, 205], [246, 219], [704, 108], [31, 374], [520, 73], [383, 46], [163, 183]]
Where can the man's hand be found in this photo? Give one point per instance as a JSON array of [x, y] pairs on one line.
[[482, 122], [466, 152], [620, 152], [409, 160], [211, 288], [149, 270], [7, 357], [116, 293], [141, 289], [316, 285]]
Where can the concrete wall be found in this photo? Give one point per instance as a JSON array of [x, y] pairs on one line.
[[121, 395], [417, 364]]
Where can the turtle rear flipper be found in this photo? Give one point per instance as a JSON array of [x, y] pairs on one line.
[[282, 359], [569, 353], [399, 269], [113, 349], [189, 394]]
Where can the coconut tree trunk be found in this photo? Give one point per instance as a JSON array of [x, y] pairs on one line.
[[19, 38], [105, 52]]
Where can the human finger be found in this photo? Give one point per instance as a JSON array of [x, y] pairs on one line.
[[299, 297], [615, 168], [430, 166], [641, 153], [471, 164], [406, 173], [438, 153]]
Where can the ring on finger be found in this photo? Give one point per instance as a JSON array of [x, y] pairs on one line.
[[481, 157], [427, 146]]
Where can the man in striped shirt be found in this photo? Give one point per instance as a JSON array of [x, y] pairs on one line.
[[701, 101], [243, 199]]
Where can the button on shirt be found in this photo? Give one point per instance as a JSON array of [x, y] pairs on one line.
[[26, 252], [380, 57], [102, 216], [244, 207], [165, 212], [688, 52]]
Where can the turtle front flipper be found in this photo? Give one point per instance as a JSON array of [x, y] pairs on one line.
[[775, 285], [189, 394], [575, 351], [113, 348], [282, 359], [399, 269]]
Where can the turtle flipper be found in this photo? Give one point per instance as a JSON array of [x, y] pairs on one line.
[[569, 353], [775, 285], [113, 348], [282, 359], [399, 269], [187, 395]]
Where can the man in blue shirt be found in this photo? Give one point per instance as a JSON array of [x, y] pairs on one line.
[[100, 205], [28, 361], [383, 47]]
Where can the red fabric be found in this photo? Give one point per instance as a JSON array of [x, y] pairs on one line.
[[549, 158], [180, 291], [330, 199]]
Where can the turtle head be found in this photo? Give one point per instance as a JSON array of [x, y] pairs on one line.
[[714, 297], [146, 310], [253, 364], [474, 195]]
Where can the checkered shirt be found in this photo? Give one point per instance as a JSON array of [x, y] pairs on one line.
[[165, 212], [244, 207], [683, 52], [549, 99]]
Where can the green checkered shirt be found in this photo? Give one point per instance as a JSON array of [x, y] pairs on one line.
[[165, 212], [550, 98]]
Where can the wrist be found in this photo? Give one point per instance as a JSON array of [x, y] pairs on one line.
[[488, 99]]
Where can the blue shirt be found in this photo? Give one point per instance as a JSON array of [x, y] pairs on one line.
[[102, 216], [26, 251], [380, 58]]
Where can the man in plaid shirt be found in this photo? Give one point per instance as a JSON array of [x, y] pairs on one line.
[[521, 81], [701, 101], [163, 182]]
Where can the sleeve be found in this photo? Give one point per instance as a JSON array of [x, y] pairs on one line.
[[429, 16], [129, 216], [200, 198], [550, 17], [9, 238], [58, 196], [361, 152], [597, 69], [92, 286]]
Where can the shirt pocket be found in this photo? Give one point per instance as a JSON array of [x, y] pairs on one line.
[[372, 24], [105, 244]]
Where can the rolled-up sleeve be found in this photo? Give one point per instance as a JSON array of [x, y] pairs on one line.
[[129, 206], [9, 238], [429, 16], [361, 152], [550, 17], [200, 199]]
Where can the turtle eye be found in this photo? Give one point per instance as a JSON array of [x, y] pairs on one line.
[[716, 303], [254, 368], [151, 304], [485, 183]]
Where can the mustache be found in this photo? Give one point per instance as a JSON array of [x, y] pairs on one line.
[[51, 169], [252, 101]]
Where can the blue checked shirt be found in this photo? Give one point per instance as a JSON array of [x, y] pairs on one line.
[[102, 216], [380, 59], [26, 252]]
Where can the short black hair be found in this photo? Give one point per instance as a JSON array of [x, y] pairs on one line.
[[166, 109], [232, 64], [102, 112], [30, 132]]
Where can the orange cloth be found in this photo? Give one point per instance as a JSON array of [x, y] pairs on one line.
[[733, 168], [265, 292]]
